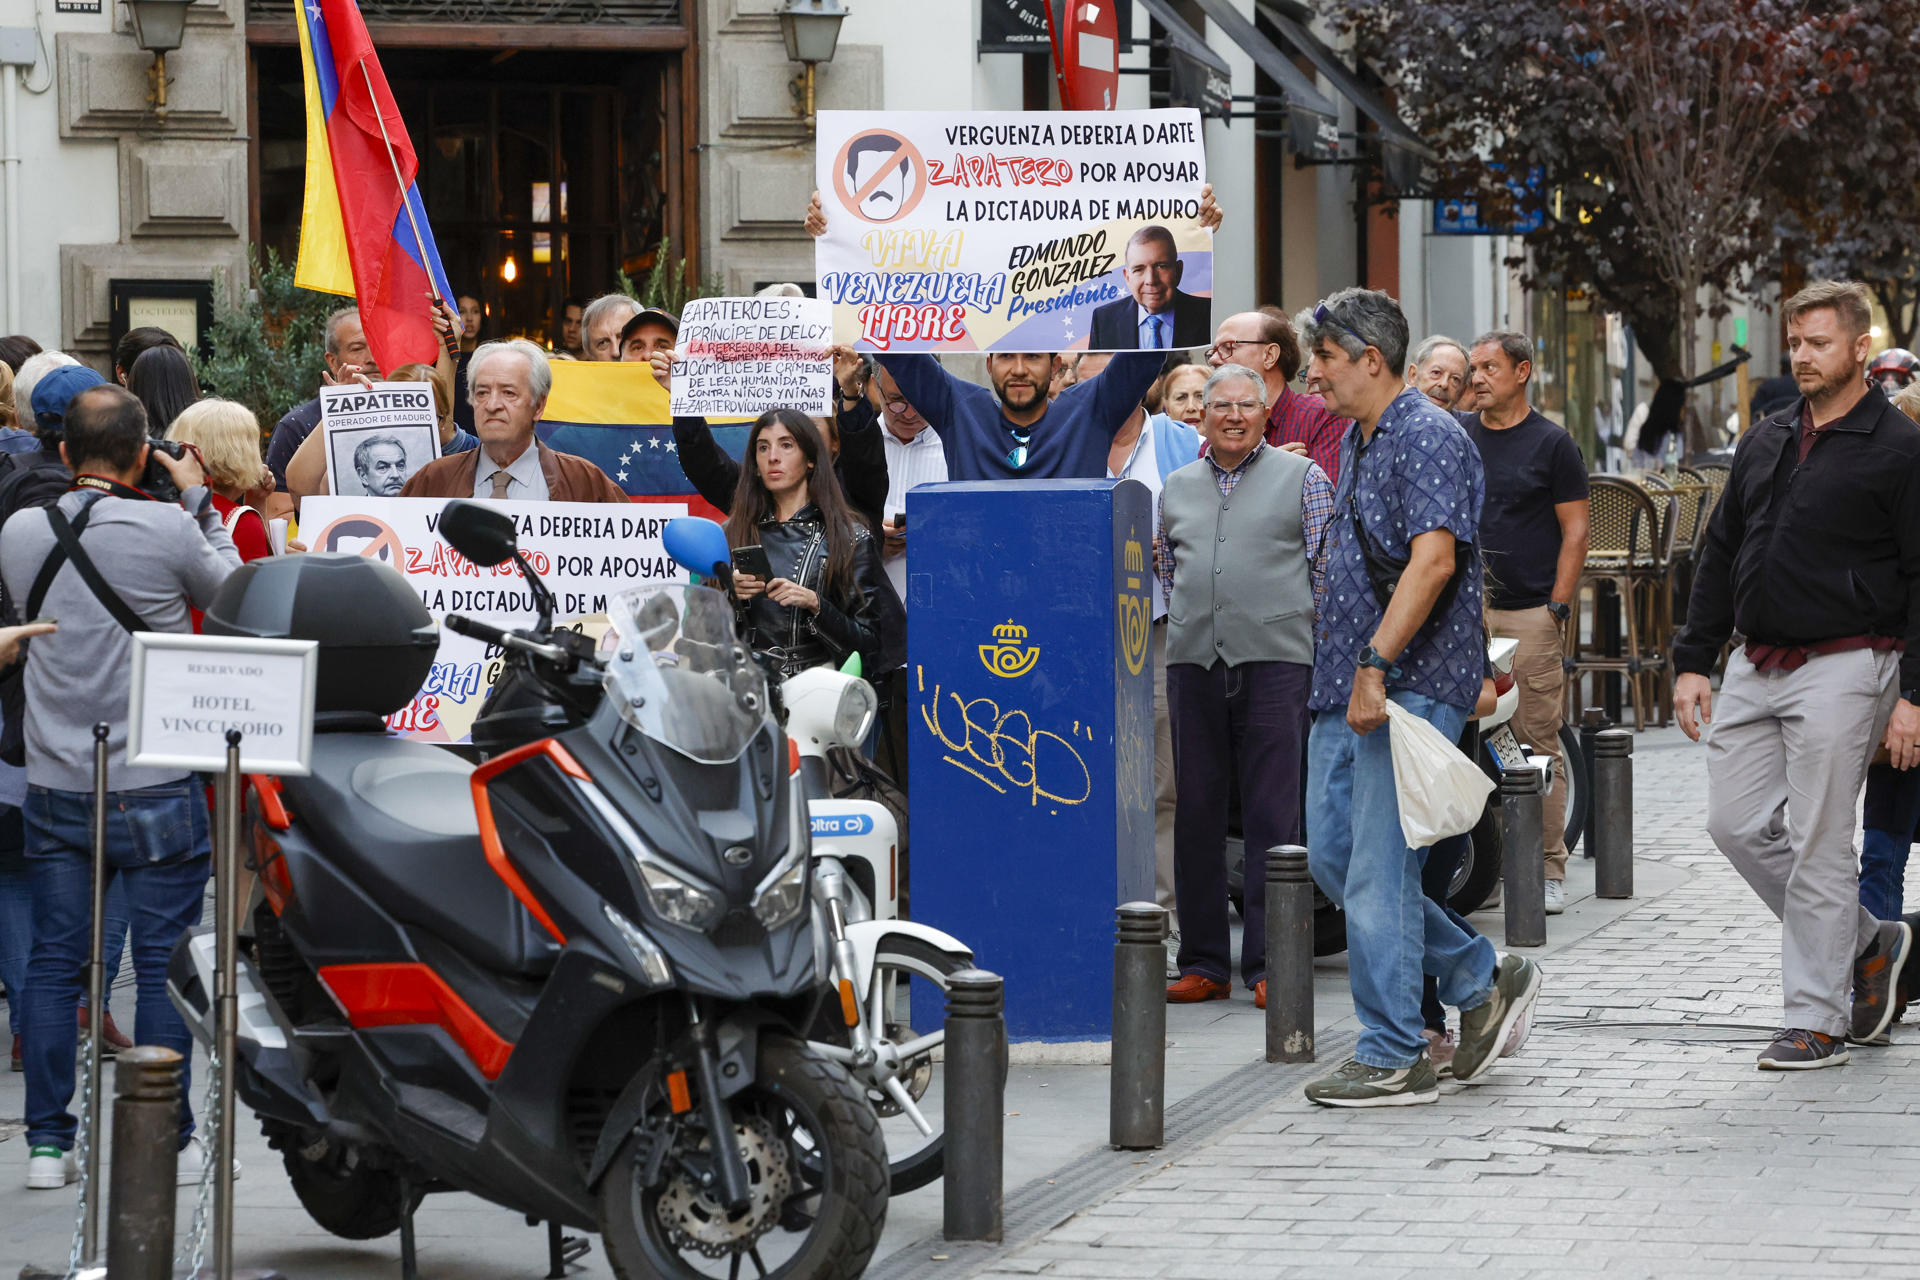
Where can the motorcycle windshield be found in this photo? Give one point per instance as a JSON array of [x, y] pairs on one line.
[[681, 676]]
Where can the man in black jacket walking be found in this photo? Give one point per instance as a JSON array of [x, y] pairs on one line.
[[1813, 555]]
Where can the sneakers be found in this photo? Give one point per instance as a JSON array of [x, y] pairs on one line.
[[1876, 975], [50, 1168], [1196, 987], [193, 1159], [1439, 1051], [1173, 952], [1556, 897], [1794, 1050], [1357, 1085], [1485, 1029]]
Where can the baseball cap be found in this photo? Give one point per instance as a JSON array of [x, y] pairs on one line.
[[646, 316], [55, 391]]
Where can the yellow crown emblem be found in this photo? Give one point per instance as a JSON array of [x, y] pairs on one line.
[[1136, 559], [1009, 630]]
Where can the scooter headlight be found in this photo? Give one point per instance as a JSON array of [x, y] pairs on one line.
[[854, 718], [784, 892], [653, 961], [679, 899]]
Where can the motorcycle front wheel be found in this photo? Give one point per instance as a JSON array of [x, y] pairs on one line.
[[817, 1172]]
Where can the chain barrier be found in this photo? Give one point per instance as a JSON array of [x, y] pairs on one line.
[[82, 1154], [193, 1250]]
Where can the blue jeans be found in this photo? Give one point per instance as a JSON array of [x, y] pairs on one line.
[[158, 851], [1359, 859], [1888, 819]]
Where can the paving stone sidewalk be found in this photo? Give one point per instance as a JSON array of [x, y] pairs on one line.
[[1633, 1136]]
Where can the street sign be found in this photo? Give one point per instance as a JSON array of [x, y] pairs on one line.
[[189, 691], [1086, 54], [1517, 210]]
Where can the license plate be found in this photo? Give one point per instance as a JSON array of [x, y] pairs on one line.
[[1506, 748]]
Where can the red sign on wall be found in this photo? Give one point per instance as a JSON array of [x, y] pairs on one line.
[[1086, 53]]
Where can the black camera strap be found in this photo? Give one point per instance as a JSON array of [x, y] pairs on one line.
[[67, 535]]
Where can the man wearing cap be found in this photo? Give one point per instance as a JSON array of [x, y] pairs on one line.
[[651, 329]]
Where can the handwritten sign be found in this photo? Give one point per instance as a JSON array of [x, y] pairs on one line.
[[1014, 231], [378, 436], [748, 355], [585, 553], [188, 692]]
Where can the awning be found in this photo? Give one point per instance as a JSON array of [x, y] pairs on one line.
[[1312, 117], [1394, 135], [1201, 77]]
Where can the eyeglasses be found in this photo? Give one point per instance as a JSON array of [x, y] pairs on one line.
[[898, 406], [1323, 316], [1246, 408], [1017, 456], [1223, 350]]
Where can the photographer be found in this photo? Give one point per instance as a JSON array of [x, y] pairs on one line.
[[106, 560]]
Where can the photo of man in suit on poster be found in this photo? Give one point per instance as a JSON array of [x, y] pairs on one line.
[[1155, 315]]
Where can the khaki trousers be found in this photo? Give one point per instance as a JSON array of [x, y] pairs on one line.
[[1542, 682], [1162, 774], [1787, 752]]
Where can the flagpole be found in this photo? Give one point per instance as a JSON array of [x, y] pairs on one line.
[[452, 343]]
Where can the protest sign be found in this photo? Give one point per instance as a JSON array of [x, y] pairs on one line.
[[378, 436], [1014, 231], [748, 355], [585, 553]]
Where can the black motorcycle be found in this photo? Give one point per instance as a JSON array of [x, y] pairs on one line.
[[571, 979]]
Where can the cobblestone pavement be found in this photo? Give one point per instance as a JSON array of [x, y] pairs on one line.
[[1634, 1135]]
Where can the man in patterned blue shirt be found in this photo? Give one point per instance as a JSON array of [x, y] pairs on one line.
[[1411, 485]]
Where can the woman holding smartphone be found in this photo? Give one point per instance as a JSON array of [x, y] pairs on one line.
[[807, 573]]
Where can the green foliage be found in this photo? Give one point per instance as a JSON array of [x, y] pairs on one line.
[[267, 350], [667, 287]]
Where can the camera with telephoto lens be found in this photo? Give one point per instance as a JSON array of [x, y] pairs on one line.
[[157, 480]]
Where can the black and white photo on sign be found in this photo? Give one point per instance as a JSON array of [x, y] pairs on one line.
[[377, 436]]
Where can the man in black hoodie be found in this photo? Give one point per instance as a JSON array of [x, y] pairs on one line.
[[1813, 556]]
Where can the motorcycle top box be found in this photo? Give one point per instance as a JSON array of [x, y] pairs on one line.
[[574, 978]]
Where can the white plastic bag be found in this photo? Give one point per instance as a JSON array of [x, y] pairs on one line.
[[1442, 793]]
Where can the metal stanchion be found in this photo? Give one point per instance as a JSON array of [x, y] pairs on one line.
[[1592, 721], [976, 1053], [1613, 814], [146, 1138], [1525, 867], [96, 1009], [1289, 955], [226, 1003], [1137, 1082]]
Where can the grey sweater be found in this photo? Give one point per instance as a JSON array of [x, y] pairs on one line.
[[158, 558]]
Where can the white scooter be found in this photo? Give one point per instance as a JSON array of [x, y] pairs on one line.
[[886, 969]]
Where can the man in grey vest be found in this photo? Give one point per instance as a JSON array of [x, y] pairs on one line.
[[1239, 540]]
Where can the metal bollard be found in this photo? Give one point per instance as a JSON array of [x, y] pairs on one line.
[[1525, 869], [146, 1137], [976, 1089], [1592, 721], [1137, 1081], [1613, 810], [1289, 955]]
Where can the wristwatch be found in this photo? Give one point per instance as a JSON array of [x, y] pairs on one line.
[[1559, 611], [1369, 658]]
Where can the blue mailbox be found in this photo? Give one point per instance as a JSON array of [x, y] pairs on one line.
[[1031, 723]]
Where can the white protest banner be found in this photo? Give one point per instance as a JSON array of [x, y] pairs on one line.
[[585, 552], [188, 692], [748, 355], [1014, 231], [378, 436]]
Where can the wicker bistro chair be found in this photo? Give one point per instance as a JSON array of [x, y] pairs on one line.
[[1629, 545]]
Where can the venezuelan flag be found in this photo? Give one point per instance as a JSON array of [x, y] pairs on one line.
[[363, 230], [616, 416]]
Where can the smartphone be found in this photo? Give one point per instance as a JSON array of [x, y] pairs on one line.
[[899, 521], [44, 622], [753, 560]]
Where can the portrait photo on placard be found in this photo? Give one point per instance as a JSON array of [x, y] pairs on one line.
[[377, 462]]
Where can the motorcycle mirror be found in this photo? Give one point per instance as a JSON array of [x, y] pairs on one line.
[[697, 545], [481, 534]]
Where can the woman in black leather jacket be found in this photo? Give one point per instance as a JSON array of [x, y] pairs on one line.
[[819, 606]]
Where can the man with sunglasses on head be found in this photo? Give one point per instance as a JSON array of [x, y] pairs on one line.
[[1264, 340], [1399, 622], [1015, 431]]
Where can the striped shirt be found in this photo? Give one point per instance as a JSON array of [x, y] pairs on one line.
[[1304, 418], [920, 460]]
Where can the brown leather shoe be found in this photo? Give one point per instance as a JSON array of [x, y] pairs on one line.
[[113, 1041], [1260, 994], [1192, 988]]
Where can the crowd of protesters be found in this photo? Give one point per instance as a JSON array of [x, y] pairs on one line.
[[1343, 518]]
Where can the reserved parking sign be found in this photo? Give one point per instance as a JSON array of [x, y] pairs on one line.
[[189, 691]]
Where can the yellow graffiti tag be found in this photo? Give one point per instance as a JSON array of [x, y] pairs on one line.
[[1005, 751]]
